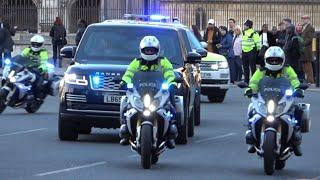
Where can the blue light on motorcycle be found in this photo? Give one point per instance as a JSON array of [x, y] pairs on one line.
[[7, 61], [165, 86], [130, 86], [289, 92]]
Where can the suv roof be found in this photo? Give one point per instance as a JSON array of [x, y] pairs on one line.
[[121, 22]]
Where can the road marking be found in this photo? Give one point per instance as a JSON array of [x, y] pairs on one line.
[[23, 132], [216, 137], [71, 169]]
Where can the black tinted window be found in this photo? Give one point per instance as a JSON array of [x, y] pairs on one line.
[[119, 45]]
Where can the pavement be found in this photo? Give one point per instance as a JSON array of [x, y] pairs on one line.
[[30, 148]]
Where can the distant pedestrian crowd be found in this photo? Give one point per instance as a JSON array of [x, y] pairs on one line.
[[57, 33], [244, 48]]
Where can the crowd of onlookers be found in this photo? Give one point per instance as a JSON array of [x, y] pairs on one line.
[[244, 48]]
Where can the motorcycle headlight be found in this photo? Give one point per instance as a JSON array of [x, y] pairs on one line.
[[147, 101], [271, 107], [7, 62], [76, 79]]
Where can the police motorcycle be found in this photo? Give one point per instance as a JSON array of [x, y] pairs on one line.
[[147, 110], [16, 85], [273, 115]]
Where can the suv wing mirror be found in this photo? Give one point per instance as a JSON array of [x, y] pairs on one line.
[[68, 51], [193, 58]]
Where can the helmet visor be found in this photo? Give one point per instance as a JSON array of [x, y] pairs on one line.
[[149, 50], [36, 45], [274, 61]]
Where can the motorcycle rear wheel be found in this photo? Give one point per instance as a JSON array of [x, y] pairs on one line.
[[146, 146], [269, 147]]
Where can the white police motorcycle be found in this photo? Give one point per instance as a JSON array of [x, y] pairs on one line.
[[146, 108], [273, 114], [16, 85]]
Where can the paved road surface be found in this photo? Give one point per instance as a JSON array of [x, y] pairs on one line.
[[30, 149]]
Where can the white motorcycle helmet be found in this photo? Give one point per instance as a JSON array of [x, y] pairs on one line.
[[150, 48], [274, 58], [37, 43]]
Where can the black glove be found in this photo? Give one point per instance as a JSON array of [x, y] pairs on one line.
[[123, 85], [249, 93], [299, 93]]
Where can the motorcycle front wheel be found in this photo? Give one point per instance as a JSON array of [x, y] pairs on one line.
[[269, 147], [146, 146], [34, 107]]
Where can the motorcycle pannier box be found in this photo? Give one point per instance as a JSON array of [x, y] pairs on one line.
[[304, 114]]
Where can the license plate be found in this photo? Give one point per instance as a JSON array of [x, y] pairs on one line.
[[206, 75], [112, 99]]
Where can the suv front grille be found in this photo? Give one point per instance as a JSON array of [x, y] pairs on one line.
[[76, 98], [106, 83], [206, 66]]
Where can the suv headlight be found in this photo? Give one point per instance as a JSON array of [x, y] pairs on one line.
[[76, 79], [223, 65]]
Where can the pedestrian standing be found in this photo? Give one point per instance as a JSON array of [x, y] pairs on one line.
[[237, 50], [267, 40], [6, 42], [250, 46], [281, 39], [299, 32], [212, 36], [307, 35], [225, 49], [292, 50], [275, 32], [232, 25], [82, 26], [196, 32], [58, 34]]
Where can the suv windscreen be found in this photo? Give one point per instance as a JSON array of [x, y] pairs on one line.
[[120, 44]]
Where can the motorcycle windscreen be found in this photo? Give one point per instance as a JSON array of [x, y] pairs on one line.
[[18, 63], [273, 88], [149, 82]]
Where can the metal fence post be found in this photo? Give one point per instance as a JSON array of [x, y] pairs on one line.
[[318, 60]]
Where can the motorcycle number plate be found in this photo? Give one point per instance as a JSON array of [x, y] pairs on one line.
[[205, 75], [112, 99]]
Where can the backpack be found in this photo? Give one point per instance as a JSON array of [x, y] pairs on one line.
[[58, 34], [301, 44]]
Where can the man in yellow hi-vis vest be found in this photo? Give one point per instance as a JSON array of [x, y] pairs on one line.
[[250, 46]]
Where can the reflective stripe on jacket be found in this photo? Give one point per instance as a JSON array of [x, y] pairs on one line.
[[38, 59], [250, 40], [286, 72], [166, 66]]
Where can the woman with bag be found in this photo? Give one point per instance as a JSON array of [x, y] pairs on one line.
[[58, 34]]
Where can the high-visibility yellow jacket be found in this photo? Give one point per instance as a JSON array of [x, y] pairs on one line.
[[250, 40], [135, 66]]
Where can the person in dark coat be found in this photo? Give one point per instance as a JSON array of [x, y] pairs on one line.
[[212, 36], [226, 49], [82, 25], [196, 32], [58, 34], [267, 40], [291, 50], [281, 39], [6, 42]]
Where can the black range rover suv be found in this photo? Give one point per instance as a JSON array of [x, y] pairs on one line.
[[89, 92]]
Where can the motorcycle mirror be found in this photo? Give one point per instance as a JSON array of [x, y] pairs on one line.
[[303, 86], [243, 85]]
